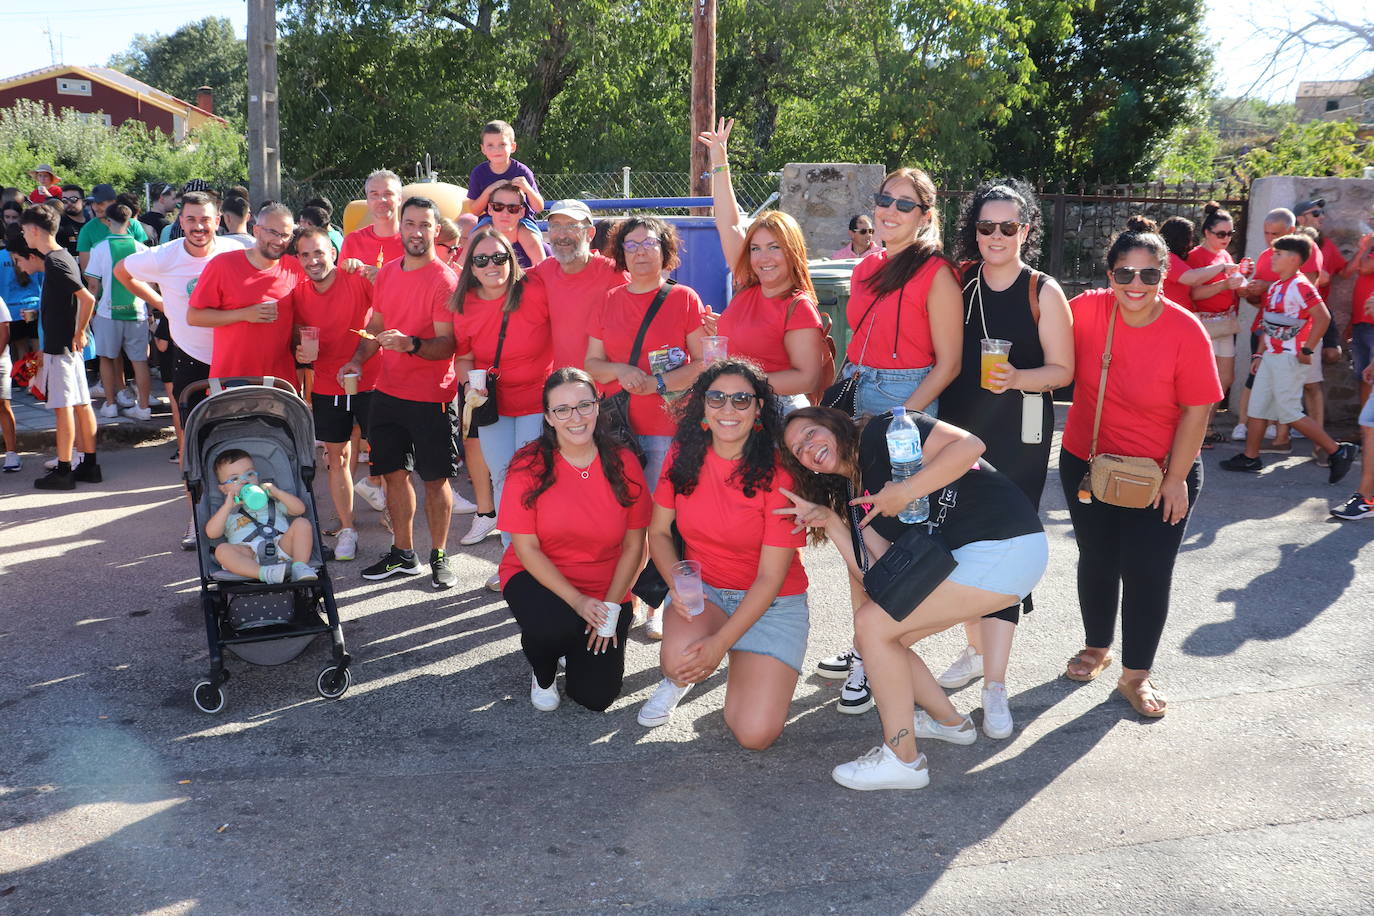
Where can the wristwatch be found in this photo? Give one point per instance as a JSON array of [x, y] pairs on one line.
[[415, 343], [1307, 351], [662, 385]]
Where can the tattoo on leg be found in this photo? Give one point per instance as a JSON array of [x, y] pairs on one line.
[[895, 739]]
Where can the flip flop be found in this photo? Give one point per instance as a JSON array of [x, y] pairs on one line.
[[1083, 659], [1133, 690]]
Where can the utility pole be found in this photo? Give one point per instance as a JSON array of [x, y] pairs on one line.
[[703, 90], [264, 158]]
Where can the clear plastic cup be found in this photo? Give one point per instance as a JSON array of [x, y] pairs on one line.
[[612, 618], [310, 343], [714, 348], [28, 314], [687, 584], [350, 382], [995, 352], [477, 379]]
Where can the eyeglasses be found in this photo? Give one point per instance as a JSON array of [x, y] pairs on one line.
[[564, 411], [1009, 227], [482, 260], [447, 247], [574, 229], [1223, 234], [648, 244], [740, 400], [244, 478], [904, 204], [272, 233], [1124, 276], [862, 231], [71, 199], [1313, 213], [495, 207]]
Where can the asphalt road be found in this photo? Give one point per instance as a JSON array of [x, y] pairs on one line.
[[434, 787]]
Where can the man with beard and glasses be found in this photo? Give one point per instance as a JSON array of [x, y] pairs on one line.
[[412, 420], [576, 278], [74, 216], [370, 247], [240, 295]]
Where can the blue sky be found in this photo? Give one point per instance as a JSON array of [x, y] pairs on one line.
[[89, 31]]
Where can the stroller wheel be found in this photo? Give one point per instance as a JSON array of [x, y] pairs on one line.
[[333, 682], [207, 697]]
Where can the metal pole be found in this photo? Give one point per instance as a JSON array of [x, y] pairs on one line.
[[625, 180], [703, 91], [264, 159]]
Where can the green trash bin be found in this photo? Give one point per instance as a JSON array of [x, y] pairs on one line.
[[831, 279]]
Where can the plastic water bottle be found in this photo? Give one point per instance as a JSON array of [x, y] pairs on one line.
[[904, 451]]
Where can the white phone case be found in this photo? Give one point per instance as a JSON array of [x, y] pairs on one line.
[[1032, 417]]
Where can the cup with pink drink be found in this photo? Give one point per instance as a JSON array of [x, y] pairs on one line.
[[310, 344]]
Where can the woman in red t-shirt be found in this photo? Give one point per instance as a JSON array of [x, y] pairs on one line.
[[773, 319], [577, 511], [1159, 392], [721, 486], [1216, 302], [904, 304], [492, 290]]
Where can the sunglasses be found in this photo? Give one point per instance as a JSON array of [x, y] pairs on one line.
[[903, 204], [245, 478], [1009, 227], [506, 208], [740, 400], [564, 411], [482, 260], [862, 231], [1223, 234], [648, 244], [1313, 213], [1124, 276], [71, 199]]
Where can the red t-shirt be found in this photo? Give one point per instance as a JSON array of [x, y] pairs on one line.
[[346, 306], [365, 244], [755, 325], [230, 281], [586, 554], [1224, 301], [527, 354], [573, 300], [1333, 262], [723, 529], [1176, 292], [1156, 370], [412, 301], [617, 323], [890, 348], [1360, 310]]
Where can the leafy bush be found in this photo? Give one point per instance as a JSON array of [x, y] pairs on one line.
[[1316, 148]]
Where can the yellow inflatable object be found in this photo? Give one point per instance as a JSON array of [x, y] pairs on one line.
[[449, 197]]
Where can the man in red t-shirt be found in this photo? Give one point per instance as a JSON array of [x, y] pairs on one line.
[[412, 423], [577, 280], [370, 247], [240, 295]]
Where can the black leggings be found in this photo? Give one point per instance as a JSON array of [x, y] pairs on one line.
[[549, 630], [1123, 550]]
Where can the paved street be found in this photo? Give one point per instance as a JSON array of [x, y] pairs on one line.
[[433, 786]]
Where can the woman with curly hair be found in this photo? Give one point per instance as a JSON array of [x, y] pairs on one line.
[[982, 517], [772, 319], [1007, 299], [561, 574], [721, 485]]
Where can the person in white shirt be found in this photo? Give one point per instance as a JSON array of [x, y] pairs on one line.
[[121, 319]]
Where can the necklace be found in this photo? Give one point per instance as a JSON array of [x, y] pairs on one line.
[[584, 472]]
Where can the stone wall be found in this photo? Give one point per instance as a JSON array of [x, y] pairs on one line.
[[822, 196]]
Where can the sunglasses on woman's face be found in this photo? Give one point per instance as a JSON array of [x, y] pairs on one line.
[[495, 207], [482, 260], [564, 411], [904, 204], [1223, 233], [1124, 276], [1009, 227], [740, 400]]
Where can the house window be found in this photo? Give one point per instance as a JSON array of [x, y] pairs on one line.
[[73, 87], [1333, 104], [96, 117]]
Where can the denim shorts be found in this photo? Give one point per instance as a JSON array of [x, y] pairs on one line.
[[1008, 567], [1362, 346], [880, 390], [780, 633], [656, 453]]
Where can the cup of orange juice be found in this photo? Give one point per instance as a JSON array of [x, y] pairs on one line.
[[995, 352]]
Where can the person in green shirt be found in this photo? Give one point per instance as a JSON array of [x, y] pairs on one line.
[[95, 231]]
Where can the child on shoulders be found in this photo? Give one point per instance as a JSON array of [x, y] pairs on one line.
[[498, 145]]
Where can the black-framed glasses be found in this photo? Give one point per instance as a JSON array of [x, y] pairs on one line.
[[73, 199], [1124, 276], [498, 258], [496, 207], [904, 204], [1223, 233], [740, 400], [272, 233], [584, 409], [246, 477], [1008, 227]]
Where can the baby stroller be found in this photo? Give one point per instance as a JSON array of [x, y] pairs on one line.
[[260, 623]]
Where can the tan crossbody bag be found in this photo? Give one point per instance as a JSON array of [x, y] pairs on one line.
[[1119, 480]]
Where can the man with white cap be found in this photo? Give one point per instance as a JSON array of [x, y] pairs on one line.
[[577, 280]]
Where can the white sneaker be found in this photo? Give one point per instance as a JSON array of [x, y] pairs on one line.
[[138, 413], [303, 572], [494, 583], [880, 768], [855, 696], [996, 713], [653, 624], [658, 709], [461, 505], [97, 390], [364, 457], [836, 666], [346, 547], [373, 494], [12, 462], [1239, 433], [966, 667], [926, 727], [482, 526], [544, 699], [108, 410], [51, 463], [126, 397], [1271, 431]]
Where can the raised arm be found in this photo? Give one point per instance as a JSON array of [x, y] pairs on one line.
[[730, 223]]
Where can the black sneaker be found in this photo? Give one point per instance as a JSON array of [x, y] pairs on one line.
[[87, 472], [1355, 508], [56, 480], [393, 562], [1341, 460], [439, 573], [1239, 462]]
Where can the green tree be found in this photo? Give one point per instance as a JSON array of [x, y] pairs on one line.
[[1317, 148], [204, 53]]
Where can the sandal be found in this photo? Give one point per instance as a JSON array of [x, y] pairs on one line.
[[1088, 658], [1138, 691]]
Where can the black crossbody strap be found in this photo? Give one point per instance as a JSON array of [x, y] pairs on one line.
[[649, 319], [500, 340]]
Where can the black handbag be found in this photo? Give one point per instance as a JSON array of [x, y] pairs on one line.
[[617, 406], [913, 567], [487, 413], [842, 394]]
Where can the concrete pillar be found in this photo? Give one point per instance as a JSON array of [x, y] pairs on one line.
[[822, 196]]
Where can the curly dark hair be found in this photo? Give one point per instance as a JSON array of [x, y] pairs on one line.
[[538, 455], [1028, 212], [1142, 233], [755, 471], [824, 489], [667, 239]]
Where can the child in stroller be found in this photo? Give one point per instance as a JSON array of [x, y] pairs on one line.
[[256, 546]]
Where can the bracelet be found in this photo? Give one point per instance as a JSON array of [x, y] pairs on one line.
[[716, 170]]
